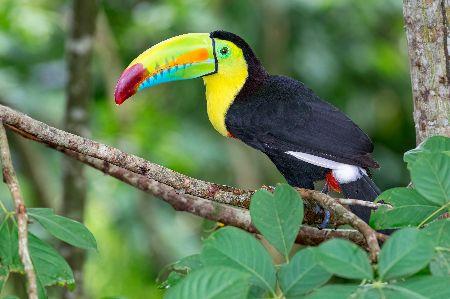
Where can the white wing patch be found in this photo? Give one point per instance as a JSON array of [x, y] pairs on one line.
[[343, 173]]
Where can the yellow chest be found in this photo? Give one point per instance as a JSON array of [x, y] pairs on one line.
[[221, 91]]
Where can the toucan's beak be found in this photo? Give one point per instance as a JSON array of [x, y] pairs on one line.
[[182, 57]]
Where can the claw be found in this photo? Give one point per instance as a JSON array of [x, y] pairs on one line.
[[325, 188], [326, 220]]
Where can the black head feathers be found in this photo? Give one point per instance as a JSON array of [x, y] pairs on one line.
[[256, 72]]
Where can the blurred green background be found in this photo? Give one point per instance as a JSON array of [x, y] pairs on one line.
[[352, 53]]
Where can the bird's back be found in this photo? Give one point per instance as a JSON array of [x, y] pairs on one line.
[[284, 114]]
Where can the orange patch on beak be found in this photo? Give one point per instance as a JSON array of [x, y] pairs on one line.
[[192, 56]]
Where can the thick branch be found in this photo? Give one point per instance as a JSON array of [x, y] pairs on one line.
[[427, 32], [38, 131], [208, 209], [10, 178], [161, 176]]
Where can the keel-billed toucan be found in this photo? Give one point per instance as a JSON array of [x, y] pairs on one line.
[[306, 138]]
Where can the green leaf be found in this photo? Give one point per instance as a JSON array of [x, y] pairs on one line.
[[188, 263], [65, 229], [345, 259], [180, 269], [237, 249], [4, 273], [41, 211], [440, 264], [335, 291], [434, 144], [439, 232], [42, 292], [172, 279], [9, 248], [278, 216], [430, 174], [302, 274], [424, 287], [404, 253], [431, 287], [409, 208], [384, 292], [212, 283], [51, 268]]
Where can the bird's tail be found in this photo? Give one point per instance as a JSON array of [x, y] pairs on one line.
[[364, 189]]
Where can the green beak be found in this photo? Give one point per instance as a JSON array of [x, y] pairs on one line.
[[182, 57]]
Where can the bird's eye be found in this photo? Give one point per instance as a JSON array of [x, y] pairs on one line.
[[224, 52]]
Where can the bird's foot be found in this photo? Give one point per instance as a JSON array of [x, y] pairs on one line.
[[326, 216], [320, 210], [326, 220], [325, 188]]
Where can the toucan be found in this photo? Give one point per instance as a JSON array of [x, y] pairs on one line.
[[307, 138]]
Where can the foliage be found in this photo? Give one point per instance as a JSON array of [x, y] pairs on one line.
[[277, 216], [429, 196], [413, 263], [50, 267]]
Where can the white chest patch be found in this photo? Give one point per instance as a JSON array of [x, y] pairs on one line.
[[343, 173]]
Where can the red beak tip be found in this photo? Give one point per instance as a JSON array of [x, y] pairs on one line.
[[128, 82], [119, 100], [118, 97]]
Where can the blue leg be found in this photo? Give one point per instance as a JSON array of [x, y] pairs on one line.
[[326, 219]]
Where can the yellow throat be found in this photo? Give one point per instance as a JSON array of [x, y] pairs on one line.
[[222, 88]]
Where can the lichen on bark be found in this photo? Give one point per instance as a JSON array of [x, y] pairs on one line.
[[427, 31]]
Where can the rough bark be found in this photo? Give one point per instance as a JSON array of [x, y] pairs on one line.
[[79, 48], [427, 31]]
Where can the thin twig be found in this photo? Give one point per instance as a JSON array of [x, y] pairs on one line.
[[10, 178], [363, 203]]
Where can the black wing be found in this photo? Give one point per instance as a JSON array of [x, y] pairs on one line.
[[284, 115]]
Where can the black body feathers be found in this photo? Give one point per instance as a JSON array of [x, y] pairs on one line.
[[277, 114], [364, 189], [283, 115]]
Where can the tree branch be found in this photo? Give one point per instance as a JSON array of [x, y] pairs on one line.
[[10, 178], [208, 200], [208, 209], [363, 203], [427, 32]]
